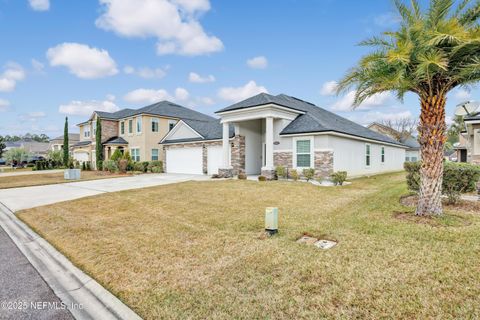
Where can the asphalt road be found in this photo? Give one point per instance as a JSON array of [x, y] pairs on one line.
[[23, 292]]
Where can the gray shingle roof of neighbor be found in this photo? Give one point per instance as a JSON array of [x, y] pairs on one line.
[[162, 108], [71, 136], [116, 140], [314, 119], [209, 130], [411, 142], [82, 143]]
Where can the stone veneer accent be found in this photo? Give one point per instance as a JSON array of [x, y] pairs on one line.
[[269, 174], [283, 159], [237, 156], [323, 164], [109, 129]]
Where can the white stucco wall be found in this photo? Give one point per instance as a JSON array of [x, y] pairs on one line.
[[412, 155], [349, 155]]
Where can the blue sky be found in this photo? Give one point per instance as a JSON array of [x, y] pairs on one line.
[[63, 58]]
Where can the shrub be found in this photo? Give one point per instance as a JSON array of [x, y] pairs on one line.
[[145, 166], [100, 165], [339, 177], [110, 166], [155, 164], [309, 173], [216, 176], [84, 167], [122, 165], [39, 165], [117, 155], [30, 165], [281, 172], [262, 178], [457, 178], [294, 174], [242, 176], [157, 169], [138, 166]]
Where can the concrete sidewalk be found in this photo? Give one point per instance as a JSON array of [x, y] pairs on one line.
[[17, 199]]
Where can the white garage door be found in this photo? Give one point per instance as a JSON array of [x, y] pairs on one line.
[[185, 160], [214, 159], [81, 156]]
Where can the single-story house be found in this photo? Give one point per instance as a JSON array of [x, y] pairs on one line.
[[413, 151], [56, 144], [257, 134]]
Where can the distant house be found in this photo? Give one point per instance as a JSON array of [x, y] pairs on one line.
[[468, 147], [56, 144], [37, 149], [413, 151]]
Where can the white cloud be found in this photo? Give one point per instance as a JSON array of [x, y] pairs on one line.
[[39, 5], [13, 72], [366, 118], [462, 95], [329, 88], [152, 96], [259, 62], [4, 104], [205, 101], [37, 65], [32, 116], [85, 108], [196, 78], [146, 73], [83, 61], [236, 94], [346, 102], [174, 23]]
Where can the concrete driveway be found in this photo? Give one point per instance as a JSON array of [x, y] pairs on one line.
[[29, 197]]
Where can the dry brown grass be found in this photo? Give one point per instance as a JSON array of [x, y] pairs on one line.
[[192, 250], [49, 178]]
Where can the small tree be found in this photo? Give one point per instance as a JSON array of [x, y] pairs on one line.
[[2, 146], [66, 155], [16, 155], [98, 146]]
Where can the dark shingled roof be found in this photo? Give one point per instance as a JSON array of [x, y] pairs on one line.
[[163, 108], [209, 130], [314, 119], [472, 117], [116, 140], [82, 143], [411, 142], [71, 136]]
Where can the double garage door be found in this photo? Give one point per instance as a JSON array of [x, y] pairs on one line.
[[190, 160]]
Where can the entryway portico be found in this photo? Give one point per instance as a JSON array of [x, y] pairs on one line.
[[260, 127]]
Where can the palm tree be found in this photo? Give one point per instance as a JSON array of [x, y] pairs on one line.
[[432, 52]]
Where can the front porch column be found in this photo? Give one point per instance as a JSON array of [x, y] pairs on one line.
[[269, 143], [226, 171], [268, 171]]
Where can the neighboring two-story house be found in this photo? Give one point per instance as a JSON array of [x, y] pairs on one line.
[[138, 131], [56, 144], [413, 151], [468, 147]]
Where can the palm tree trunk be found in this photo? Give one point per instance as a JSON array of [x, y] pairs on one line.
[[432, 139]]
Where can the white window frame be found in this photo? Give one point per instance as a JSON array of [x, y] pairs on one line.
[[174, 122], [312, 153], [383, 156], [369, 155], [86, 132], [158, 155], [122, 125], [157, 121], [94, 127], [138, 123], [135, 154]]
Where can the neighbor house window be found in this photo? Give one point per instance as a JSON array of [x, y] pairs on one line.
[[94, 127], [154, 154], [122, 127], [130, 126], [86, 133], [139, 124], [383, 155], [154, 125], [304, 153], [407, 159], [171, 124], [414, 159], [135, 154], [367, 155]]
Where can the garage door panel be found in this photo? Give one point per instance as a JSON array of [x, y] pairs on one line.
[[184, 160]]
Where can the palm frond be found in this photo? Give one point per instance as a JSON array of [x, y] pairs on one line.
[[470, 16], [439, 10]]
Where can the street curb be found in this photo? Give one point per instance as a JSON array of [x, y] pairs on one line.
[[70, 284]]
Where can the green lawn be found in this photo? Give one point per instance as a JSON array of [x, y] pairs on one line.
[[193, 250]]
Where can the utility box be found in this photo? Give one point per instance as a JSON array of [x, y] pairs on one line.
[[271, 220]]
